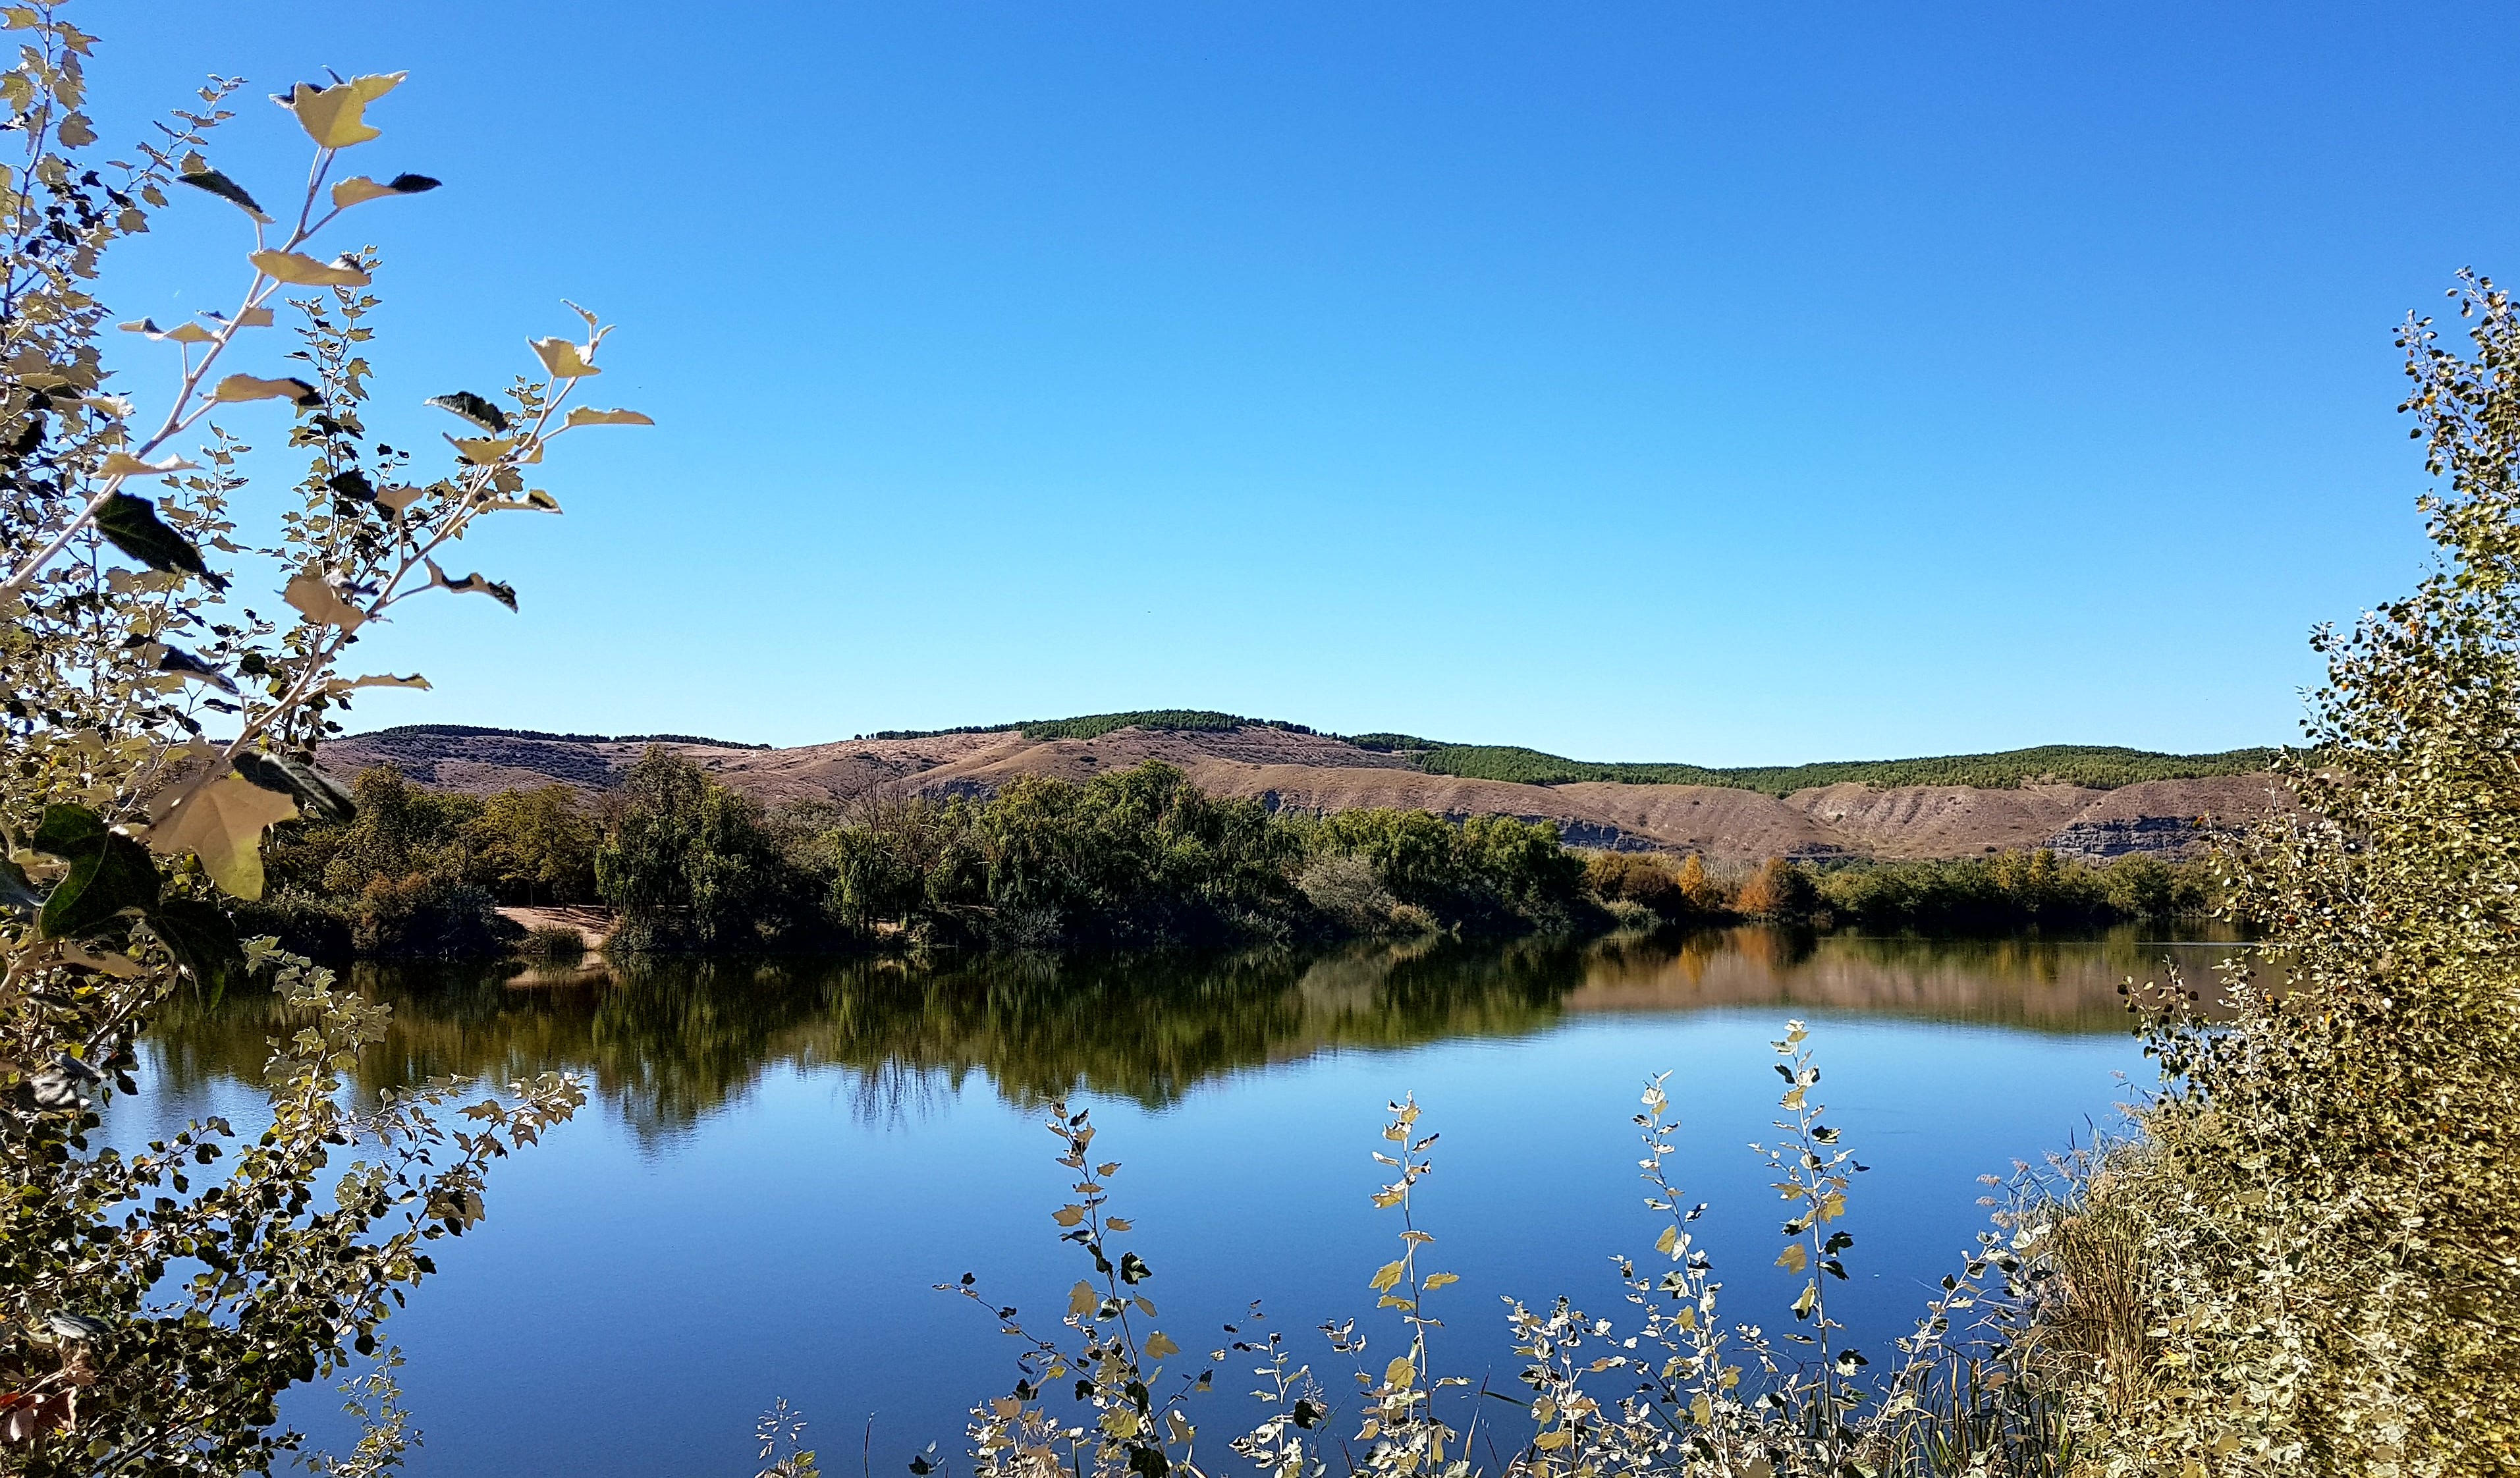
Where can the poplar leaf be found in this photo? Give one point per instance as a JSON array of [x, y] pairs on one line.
[[358, 189], [251, 388], [299, 270], [1400, 1372], [475, 584], [564, 360], [1158, 1346], [222, 824], [589, 415], [1668, 1241], [1082, 1300], [472, 408], [482, 451], [387, 679], [132, 525], [1069, 1215], [302, 783], [225, 189], [1118, 1224], [394, 500], [1793, 1259], [124, 465], [335, 117], [318, 602], [1385, 1278], [177, 660], [1435, 1280], [109, 873]]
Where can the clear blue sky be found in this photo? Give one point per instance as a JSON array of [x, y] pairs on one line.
[[1633, 381]]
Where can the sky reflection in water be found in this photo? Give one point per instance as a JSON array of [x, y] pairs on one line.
[[779, 1159]]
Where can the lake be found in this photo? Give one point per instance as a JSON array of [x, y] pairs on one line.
[[778, 1161]]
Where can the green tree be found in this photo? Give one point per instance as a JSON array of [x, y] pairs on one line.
[[690, 864], [535, 846]]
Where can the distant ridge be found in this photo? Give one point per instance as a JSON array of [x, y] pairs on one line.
[[476, 731], [2097, 767], [2078, 800]]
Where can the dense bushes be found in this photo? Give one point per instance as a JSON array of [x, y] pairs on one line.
[[421, 874], [1132, 859], [2010, 891]]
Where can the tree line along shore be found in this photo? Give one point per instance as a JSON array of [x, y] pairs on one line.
[[1138, 858]]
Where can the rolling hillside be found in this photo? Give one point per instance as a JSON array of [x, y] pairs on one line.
[[2087, 801]]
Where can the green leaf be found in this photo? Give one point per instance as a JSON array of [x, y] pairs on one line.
[[133, 527], [110, 874], [201, 938], [225, 189]]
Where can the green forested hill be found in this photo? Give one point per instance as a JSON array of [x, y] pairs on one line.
[[2098, 766], [2101, 767]]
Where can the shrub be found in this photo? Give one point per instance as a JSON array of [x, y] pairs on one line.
[[1780, 890], [553, 941], [2321, 1208], [428, 914], [1347, 889]]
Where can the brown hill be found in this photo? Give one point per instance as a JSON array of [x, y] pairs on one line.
[[1317, 773]]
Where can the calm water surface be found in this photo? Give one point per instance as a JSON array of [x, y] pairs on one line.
[[778, 1161]]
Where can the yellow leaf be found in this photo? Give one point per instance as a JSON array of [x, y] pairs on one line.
[[1549, 1442], [1069, 1215], [385, 680], [1793, 1259], [124, 465], [1702, 1410], [249, 387], [254, 318], [1435, 1280], [1178, 1426], [394, 500], [319, 603], [1832, 1206], [332, 116], [1399, 1373], [222, 824], [1082, 1300], [1386, 1277], [357, 190], [1118, 1224], [482, 451], [1120, 1422], [1668, 1241], [564, 360], [1007, 1407], [1160, 1346], [589, 415], [299, 270]]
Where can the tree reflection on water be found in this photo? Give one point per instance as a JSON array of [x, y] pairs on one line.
[[669, 1041]]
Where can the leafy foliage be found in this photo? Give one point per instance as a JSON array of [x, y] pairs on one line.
[[2322, 1252], [153, 1308]]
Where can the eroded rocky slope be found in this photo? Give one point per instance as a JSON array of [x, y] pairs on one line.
[[1320, 774]]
